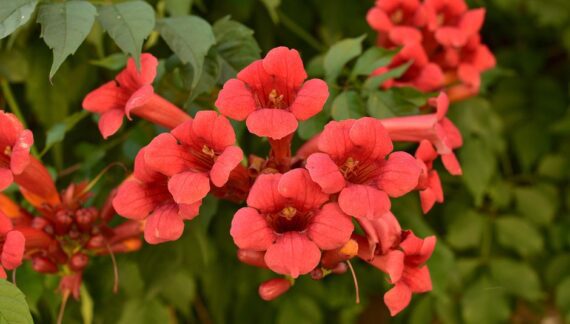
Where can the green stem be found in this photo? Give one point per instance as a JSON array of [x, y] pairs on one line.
[[297, 30], [14, 107]]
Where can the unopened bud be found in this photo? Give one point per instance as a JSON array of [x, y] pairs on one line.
[[43, 265], [40, 223], [273, 288], [78, 261], [96, 242], [317, 274], [340, 268], [253, 258], [84, 219], [63, 221]]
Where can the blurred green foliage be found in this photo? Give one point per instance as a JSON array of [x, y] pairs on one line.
[[503, 251]]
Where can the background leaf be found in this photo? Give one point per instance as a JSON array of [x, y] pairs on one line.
[[13, 306], [339, 54], [64, 28], [128, 24], [190, 38], [15, 13]]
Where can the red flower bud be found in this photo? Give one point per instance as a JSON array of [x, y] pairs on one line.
[[273, 288], [43, 265], [84, 218], [317, 274], [253, 258], [63, 221], [78, 261], [96, 242]]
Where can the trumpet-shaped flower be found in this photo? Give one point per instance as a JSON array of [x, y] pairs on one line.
[[354, 161], [288, 216], [12, 246], [271, 94], [132, 93], [15, 144]]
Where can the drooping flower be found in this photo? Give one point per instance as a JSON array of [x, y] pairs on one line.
[[404, 262], [194, 154], [288, 217], [429, 184], [435, 127], [12, 245], [353, 162], [145, 196], [271, 94], [132, 93], [15, 144]]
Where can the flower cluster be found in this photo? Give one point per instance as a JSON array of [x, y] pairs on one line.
[[440, 38], [61, 234], [308, 213]]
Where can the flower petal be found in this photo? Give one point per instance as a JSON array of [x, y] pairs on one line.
[[164, 225], [430, 78], [13, 250], [20, 157], [250, 230], [298, 186], [287, 64], [107, 97], [391, 263], [273, 123], [451, 164], [235, 100], [469, 75], [139, 98], [225, 164], [264, 195], [164, 155], [378, 20], [310, 99], [399, 174], [418, 279], [133, 78], [293, 254], [451, 36], [325, 172], [330, 228], [110, 122], [371, 137], [189, 211], [6, 178], [402, 35], [136, 200], [363, 201], [417, 250], [189, 187], [335, 139], [215, 129], [472, 21], [398, 298]]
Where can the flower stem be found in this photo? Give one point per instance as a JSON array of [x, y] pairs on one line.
[[300, 32]]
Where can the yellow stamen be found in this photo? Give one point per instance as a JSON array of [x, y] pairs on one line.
[[348, 166], [289, 212], [8, 151], [397, 16], [275, 98], [208, 151]]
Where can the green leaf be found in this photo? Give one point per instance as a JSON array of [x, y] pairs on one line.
[[86, 305], [347, 105], [128, 24], [517, 234], [143, 311], [113, 62], [478, 164], [272, 6], [190, 37], [13, 306], [554, 166], [563, 296], [395, 102], [57, 132], [484, 302], [15, 13], [299, 310], [530, 143], [339, 54], [178, 7], [466, 231], [179, 290], [536, 205], [64, 27], [372, 84], [370, 60], [558, 267], [236, 46], [517, 278]]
